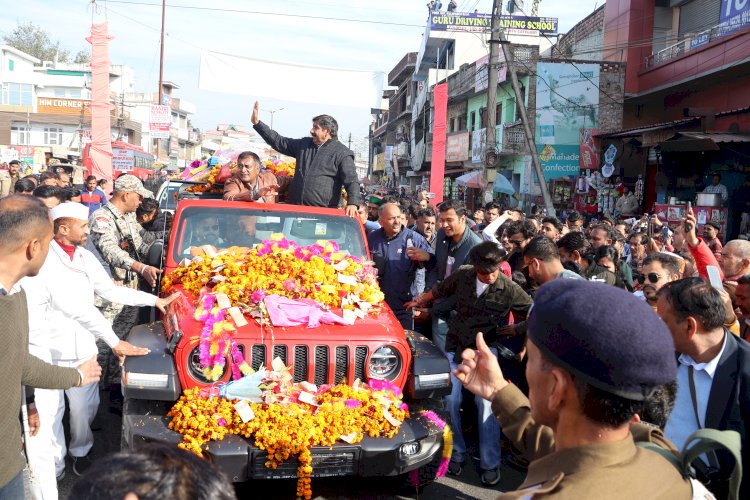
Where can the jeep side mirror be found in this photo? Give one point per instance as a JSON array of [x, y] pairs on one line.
[[155, 254]]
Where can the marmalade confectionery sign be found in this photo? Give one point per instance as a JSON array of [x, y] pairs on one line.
[[514, 25]]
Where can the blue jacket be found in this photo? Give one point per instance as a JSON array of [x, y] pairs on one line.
[[400, 271]]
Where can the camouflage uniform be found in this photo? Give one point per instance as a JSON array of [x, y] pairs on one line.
[[110, 231]]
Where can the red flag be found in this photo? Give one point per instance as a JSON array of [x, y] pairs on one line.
[[437, 170]]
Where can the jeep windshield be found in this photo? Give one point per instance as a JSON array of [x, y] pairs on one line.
[[226, 227]]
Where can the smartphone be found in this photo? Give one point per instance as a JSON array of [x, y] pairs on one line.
[[689, 226], [714, 278]]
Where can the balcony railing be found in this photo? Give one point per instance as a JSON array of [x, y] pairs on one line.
[[690, 43]]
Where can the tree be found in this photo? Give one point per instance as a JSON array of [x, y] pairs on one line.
[[83, 57], [35, 41]]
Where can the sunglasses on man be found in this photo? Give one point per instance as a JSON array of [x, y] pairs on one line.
[[650, 277]]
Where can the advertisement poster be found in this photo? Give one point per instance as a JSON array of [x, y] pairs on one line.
[[478, 139], [482, 73], [160, 121], [589, 145], [567, 100], [122, 159], [457, 147], [735, 15]]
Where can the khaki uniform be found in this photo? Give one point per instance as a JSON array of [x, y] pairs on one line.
[[619, 470], [109, 230], [7, 183]]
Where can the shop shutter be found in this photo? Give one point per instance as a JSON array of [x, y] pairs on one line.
[[699, 15]]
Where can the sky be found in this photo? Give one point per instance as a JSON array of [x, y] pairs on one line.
[[293, 31]]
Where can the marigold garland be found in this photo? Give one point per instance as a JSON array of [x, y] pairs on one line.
[[279, 167], [277, 266], [209, 184], [291, 430], [282, 267]]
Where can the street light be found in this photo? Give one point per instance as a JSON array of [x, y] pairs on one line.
[[272, 111]]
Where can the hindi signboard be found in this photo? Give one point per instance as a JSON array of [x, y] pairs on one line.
[[457, 147], [122, 159], [735, 15], [160, 121]]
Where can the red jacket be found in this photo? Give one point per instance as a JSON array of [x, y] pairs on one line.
[[704, 257]]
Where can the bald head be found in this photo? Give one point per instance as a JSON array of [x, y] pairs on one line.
[[22, 218], [735, 258]]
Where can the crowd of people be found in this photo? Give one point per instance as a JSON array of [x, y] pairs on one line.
[[473, 278], [583, 344]]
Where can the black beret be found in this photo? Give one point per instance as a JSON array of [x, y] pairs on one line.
[[604, 335], [714, 225]]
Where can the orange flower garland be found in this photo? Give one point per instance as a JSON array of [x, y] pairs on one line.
[[279, 167], [280, 266], [209, 184], [341, 412]]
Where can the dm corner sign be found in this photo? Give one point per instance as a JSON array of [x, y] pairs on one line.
[[518, 25]]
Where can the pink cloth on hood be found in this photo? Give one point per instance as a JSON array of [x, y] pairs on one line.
[[295, 312]]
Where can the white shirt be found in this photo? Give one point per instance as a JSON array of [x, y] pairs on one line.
[[681, 423], [63, 321], [481, 287], [718, 189]]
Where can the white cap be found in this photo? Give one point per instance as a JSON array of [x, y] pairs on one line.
[[70, 209]]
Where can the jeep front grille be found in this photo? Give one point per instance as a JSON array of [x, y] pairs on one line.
[[326, 364]]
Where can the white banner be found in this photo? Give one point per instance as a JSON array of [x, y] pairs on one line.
[[293, 82], [160, 121]]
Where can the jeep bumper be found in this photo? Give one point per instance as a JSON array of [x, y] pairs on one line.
[[414, 445]]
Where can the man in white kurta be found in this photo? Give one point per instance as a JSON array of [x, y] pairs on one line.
[[63, 327]]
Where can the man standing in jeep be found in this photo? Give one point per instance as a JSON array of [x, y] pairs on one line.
[[324, 165]]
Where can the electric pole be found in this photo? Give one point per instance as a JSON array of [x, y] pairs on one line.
[[509, 62], [161, 67], [350, 140], [491, 140]]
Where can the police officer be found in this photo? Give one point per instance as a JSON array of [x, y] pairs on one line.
[[116, 234], [588, 378]]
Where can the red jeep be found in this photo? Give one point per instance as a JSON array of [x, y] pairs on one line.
[[376, 347]]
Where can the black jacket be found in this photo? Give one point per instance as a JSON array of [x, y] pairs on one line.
[[729, 402], [321, 171]]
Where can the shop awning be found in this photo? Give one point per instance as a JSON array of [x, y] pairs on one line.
[[503, 185], [473, 180], [700, 141], [651, 135]]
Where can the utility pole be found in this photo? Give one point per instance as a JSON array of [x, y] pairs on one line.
[[350, 140], [491, 141], [161, 67], [509, 62], [272, 112]]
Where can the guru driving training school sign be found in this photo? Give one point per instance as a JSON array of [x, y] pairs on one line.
[[514, 25]]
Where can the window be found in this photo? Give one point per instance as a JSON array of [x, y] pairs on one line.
[[11, 64], [483, 118], [499, 113], [19, 135], [16, 94], [59, 93], [74, 93], [472, 121], [52, 136]]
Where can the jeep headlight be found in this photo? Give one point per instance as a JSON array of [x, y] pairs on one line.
[[195, 370], [385, 363]]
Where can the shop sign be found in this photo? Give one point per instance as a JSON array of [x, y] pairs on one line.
[[559, 161], [58, 106], [516, 25], [457, 147], [379, 164], [735, 15]]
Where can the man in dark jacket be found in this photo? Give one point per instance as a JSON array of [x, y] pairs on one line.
[[324, 165]]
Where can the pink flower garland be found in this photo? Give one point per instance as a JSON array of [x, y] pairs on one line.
[[447, 446]]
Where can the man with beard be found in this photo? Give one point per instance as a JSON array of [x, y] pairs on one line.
[[454, 241], [397, 268], [658, 270], [63, 327]]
